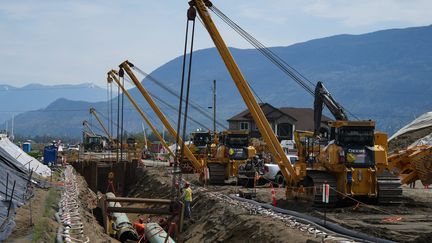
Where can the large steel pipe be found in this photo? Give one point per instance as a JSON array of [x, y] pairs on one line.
[[139, 200], [125, 230], [156, 234]]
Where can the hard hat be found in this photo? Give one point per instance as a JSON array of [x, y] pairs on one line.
[[186, 184]]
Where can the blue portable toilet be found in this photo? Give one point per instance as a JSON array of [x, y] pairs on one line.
[[26, 147], [50, 155]]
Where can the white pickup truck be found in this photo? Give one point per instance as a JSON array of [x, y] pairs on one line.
[[273, 173]]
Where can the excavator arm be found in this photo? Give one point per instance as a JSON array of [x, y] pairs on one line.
[[243, 87], [323, 96]]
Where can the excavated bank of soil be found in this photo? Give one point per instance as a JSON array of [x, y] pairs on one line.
[[404, 140], [416, 214], [217, 221], [24, 231], [88, 200], [214, 220]]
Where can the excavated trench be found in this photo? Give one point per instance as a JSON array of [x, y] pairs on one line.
[[213, 219]]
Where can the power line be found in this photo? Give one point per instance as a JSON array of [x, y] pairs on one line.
[[195, 105], [270, 55]]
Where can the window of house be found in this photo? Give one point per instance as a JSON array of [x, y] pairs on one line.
[[244, 125], [284, 131], [254, 127]]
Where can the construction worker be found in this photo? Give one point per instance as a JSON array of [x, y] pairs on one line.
[[139, 227], [187, 197]]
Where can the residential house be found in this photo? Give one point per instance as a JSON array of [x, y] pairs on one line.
[[283, 121]]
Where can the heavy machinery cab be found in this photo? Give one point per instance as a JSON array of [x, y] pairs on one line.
[[355, 140], [235, 144], [201, 143], [93, 143], [201, 139]]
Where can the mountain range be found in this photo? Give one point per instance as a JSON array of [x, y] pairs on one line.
[[16, 100], [383, 75]]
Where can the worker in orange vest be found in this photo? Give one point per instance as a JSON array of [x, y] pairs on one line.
[[139, 227], [187, 197]]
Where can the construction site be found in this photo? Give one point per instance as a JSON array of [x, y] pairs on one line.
[[316, 174]]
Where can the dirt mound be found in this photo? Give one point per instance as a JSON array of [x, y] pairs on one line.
[[214, 220], [406, 139], [376, 220], [88, 200]]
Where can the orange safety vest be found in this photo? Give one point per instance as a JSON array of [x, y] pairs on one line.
[[139, 228]]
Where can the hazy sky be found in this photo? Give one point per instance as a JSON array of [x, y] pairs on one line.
[[59, 41]]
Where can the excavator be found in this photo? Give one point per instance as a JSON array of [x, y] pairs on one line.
[[353, 162]]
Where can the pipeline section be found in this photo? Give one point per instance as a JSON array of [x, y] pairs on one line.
[[154, 233], [125, 230], [71, 227]]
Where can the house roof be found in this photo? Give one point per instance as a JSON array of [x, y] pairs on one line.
[[267, 109], [303, 117]]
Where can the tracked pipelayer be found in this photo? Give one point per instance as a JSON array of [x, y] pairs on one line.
[[352, 163]]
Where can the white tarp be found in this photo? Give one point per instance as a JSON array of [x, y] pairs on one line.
[[26, 160], [422, 121]]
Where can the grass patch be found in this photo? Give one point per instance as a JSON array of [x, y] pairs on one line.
[[51, 202], [44, 227], [39, 229]]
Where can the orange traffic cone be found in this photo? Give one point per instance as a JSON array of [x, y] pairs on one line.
[[273, 195]]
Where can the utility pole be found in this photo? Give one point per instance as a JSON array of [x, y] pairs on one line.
[[214, 106]]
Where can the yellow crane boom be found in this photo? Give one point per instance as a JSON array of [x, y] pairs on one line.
[[126, 66], [113, 75], [93, 112], [246, 93], [87, 125]]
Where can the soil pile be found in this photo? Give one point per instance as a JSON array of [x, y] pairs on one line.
[[88, 200], [214, 220], [414, 225]]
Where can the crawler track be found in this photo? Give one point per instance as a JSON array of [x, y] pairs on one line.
[[217, 173], [319, 178], [389, 188]]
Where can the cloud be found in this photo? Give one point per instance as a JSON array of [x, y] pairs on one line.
[[349, 13], [372, 12], [63, 41]]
